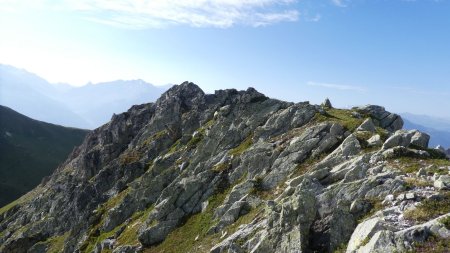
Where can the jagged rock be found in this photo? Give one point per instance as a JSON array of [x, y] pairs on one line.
[[236, 210], [359, 206], [405, 152], [367, 125], [127, 249], [104, 245], [363, 232], [381, 242], [382, 118], [374, 141], [306, 180], [38, 248], [421, 172], [420, 139], [327, 104], [443, 182], [405, 139], [298, 212], [441, 150], [410, 196], [157, 233]]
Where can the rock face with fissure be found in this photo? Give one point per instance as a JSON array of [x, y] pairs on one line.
[[299, 171]]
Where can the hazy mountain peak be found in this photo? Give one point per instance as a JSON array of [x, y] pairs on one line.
[[87, 106]]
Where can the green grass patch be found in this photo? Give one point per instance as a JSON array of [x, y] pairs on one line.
[[412, 183], [341, 116], [376, 205], [309, 163], [129, 157], [221, 167], [174, 147], [246, 144], [94, 234], [182, 239], [412, 165], [432, 244], [429, 209], [446, 222], [129, 236], [56, 243], [383, 133], [195, 140], [341, 249], [155, 136], [25, 198], [258, 185]]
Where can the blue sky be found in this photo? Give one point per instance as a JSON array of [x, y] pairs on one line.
[[390, 52]]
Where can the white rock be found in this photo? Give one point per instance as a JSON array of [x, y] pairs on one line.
[[443, 182], [367, 125], [410, 196], [389, 198], [363, 232], [401, 197], [374, 141], [421, 172]]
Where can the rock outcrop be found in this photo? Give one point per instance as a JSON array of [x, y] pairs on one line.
[[236, 171]]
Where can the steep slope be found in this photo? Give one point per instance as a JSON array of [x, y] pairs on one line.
[[236, 171], [29, 151]]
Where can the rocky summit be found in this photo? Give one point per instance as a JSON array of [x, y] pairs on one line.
[[236, 171]]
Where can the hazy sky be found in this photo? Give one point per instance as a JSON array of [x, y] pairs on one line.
[[390, 52]]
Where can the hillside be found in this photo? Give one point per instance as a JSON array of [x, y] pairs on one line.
[[236, 171], [29, 151], [87, 107]]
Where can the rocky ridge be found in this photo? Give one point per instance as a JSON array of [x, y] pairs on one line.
[[236, 171]]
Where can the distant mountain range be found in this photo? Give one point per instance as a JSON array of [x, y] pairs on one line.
[[92, 105], [437, 128], [87, 106], [29, 151]]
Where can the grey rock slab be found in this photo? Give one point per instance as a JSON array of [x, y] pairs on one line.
[[367, 125]]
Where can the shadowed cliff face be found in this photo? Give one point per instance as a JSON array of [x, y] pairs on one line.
[[230, 171]]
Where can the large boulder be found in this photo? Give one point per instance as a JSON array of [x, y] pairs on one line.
[[443, 182], [364, 232], [404, 138], [374, 141], [381, 242], [420, 139], [327, 104], [381, 117], [367, 125]]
